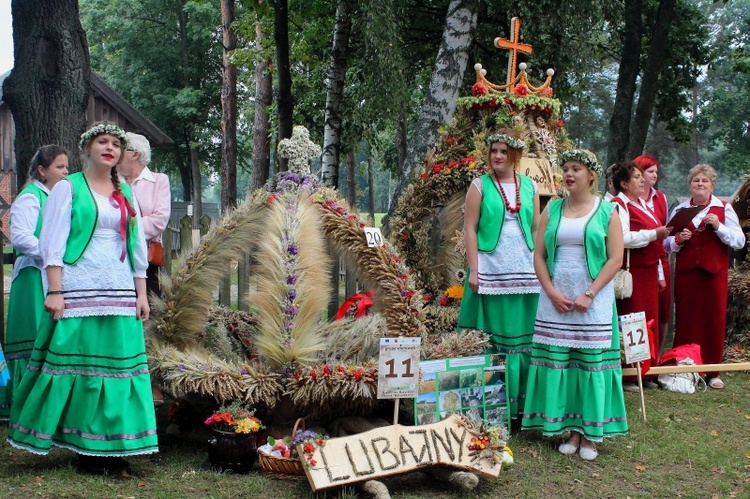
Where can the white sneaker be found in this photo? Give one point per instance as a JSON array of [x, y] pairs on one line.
[[587, 453], [568, 449]]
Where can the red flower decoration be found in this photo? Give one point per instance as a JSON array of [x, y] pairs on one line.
[[271, 199], [450, 141], [453, 164], [437, 167], [478, 89], [326, 370], [521, 90], [443, 301], [560, 123], [546, 92]]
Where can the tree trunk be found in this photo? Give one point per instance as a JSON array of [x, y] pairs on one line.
[[48, 90], [371, 187], [284, 102], [195, 174], [228, 110], [262, 123], [657, 53], [195, 167], [335, 95], [351, 180], [619, 123], [447, 75], [401, 143]]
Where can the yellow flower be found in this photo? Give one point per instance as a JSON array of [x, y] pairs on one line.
[[472, 165], [447, 171], [246, 426], [455, 292]]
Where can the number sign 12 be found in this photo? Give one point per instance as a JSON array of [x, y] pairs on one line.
[[635, 337], [374, 237]]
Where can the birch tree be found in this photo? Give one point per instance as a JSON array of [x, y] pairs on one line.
[[447, 75]]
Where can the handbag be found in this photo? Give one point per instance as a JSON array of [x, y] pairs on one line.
[[155, 253], [623, 281]]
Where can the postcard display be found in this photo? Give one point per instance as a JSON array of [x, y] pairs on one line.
[[472, 386]]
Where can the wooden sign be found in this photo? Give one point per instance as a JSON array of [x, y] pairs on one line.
[[540, 171], [393, 450]]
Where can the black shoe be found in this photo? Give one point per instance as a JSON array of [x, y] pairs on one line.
[[100, 465]]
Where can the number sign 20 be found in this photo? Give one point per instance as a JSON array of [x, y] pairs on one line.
[[374, 237]]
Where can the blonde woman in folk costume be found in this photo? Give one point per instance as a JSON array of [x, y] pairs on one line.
[[575, 378], [88, 388], [501, 289], [26, 314]]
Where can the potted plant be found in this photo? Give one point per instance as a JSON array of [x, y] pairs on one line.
[[234, 442]]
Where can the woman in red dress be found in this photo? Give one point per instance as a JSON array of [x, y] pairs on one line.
[[702, 267], [657, 202], [642, 234]]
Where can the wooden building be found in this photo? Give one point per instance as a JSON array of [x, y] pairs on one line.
[[104, 104]]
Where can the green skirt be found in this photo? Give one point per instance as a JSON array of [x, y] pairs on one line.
[[575, 390], [26, 316], [509, 320], [87, 389]]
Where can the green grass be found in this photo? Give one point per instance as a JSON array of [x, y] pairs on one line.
[[691, 446]]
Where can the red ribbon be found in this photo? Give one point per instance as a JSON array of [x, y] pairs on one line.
[[363, 301], [118, 200]]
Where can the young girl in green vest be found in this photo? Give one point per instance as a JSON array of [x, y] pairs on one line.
[[575, 379], [501, 289], [88, 388], [26, 313]]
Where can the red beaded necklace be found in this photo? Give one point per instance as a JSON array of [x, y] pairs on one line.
[[505, 197]]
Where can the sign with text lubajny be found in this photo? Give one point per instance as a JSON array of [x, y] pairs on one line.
[[393, 450]]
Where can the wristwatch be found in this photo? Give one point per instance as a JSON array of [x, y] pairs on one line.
[[589, 293]]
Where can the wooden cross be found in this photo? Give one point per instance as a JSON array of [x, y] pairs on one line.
[[514, 46]]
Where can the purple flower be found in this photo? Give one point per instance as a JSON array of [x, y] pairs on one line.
[[290, 324], [292, 249], [291, 310], [291, 279], [243, 371], [181, 368], [292, 294]]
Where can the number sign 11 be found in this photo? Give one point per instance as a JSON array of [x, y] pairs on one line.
[[398, 368]]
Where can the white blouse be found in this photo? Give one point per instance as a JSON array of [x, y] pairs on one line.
[[53, 241], [24, 214]]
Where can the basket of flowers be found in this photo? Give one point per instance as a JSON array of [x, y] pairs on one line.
[[279, 457], [234, 442]]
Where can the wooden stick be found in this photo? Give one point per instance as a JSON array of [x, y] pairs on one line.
[[395, 410], [640, 388], [739, 366]]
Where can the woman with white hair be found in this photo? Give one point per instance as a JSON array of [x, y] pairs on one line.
[[153, 194]]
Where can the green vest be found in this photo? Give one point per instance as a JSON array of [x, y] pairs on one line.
[[594, 236], [41, 195], [83, 219], [490, 227]]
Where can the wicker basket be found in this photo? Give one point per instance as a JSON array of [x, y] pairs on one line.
[[283, 467]]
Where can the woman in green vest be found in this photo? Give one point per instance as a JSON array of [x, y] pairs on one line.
[[501, 289], [26, 313], [575, 379], [87, 387]]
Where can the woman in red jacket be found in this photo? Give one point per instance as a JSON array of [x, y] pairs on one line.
[[657, 202], [701, 268], [642, 235]]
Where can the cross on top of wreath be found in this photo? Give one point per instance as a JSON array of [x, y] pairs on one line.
[[515, 46], [300, 150]]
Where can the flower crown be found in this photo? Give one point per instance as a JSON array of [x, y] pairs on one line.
[[582, 156], [512, 142], [100, 129]]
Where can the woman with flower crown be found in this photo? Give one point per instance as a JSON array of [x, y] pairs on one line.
[[26, 314], [501, 289], [575, 376], [87, 387]]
